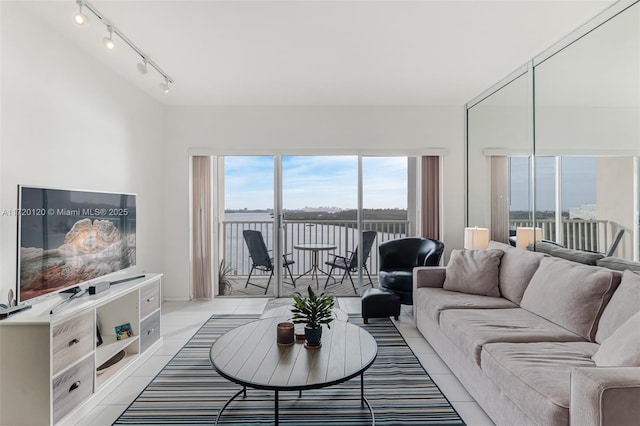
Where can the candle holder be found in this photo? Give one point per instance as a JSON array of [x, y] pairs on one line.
[[299, 332], [285, 333]]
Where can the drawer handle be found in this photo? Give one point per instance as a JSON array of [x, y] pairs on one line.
[[74, 342], [74, 386], [151, 331], [151, 299]]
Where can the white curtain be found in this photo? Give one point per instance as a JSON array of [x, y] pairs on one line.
[[201, 211]]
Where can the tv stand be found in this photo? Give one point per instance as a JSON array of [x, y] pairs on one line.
[[49, 362]]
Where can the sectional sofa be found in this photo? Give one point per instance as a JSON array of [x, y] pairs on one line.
[[535, 339]]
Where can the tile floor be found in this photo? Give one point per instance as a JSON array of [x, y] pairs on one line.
[[180, 320]]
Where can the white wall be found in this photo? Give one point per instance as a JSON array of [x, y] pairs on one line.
[[69, 122], [269, 130]]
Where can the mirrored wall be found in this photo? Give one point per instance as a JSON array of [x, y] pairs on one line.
[[556, 145]]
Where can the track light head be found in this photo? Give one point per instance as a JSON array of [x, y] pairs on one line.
[[142, 66], [164, 86], [108, 41], [79, 17]]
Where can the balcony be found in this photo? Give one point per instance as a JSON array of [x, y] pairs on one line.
[[342, 234]]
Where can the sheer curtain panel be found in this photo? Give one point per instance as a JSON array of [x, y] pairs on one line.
[[202, 276]]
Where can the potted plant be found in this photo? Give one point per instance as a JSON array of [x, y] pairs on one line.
[[224, 282], [313, 311]]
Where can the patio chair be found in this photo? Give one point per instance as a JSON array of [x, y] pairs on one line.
[[614, 244], [350, 264], [261, 260]]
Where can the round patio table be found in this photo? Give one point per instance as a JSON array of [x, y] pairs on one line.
[[250, 356], [314, 248]]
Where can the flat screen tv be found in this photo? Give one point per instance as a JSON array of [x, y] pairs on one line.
[[68, 237]]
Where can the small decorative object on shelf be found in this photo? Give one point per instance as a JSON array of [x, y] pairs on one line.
[[285, 333], [313, 311], [123, 331]]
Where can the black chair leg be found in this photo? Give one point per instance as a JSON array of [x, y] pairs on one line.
[[253, 267], [293, 281], [268, 282], [249, 278], [368, 275], [352, 283], [328, 277]]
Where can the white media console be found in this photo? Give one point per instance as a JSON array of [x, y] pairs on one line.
[[49, 362]]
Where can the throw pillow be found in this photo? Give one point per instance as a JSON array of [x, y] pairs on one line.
[[517, 266], [474, 272], [622, 348], [624, 303], [570, 294]]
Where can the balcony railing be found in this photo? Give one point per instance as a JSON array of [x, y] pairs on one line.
[[342, 234], [579, 234]]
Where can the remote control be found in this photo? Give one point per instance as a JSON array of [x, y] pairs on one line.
[[10, 311]]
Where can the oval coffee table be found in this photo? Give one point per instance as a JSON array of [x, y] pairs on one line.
[[250, 356]]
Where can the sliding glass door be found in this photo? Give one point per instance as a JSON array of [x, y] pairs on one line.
[[285, 223], [385, 206], [319, 210], [246, 226]]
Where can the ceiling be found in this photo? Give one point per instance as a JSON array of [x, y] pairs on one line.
[[322, 52]]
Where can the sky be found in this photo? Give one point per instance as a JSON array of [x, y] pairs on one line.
[[316, 181], [578, 183]]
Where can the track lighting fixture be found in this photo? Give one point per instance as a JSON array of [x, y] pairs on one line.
[[79, 17], [143, 67], [108, 41], [165, 85]]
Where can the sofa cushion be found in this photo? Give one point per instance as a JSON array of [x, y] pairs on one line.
[[622, 348], [517, 266], [618, 264], [474, 272], [579, 256], [470, 329], [624, 303], [432, 301], [570, 294], [537, 376]]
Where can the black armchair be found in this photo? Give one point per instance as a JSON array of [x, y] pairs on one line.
[[399, 257]]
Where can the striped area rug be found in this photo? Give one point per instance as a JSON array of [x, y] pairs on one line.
[[189, 391]]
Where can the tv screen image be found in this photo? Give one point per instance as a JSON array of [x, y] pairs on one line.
[[68, 237]]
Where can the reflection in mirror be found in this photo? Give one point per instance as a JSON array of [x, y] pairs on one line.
[[545, 203], [497, 126], [520, 199], [587, 116], [588, 94], [580, 203]]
